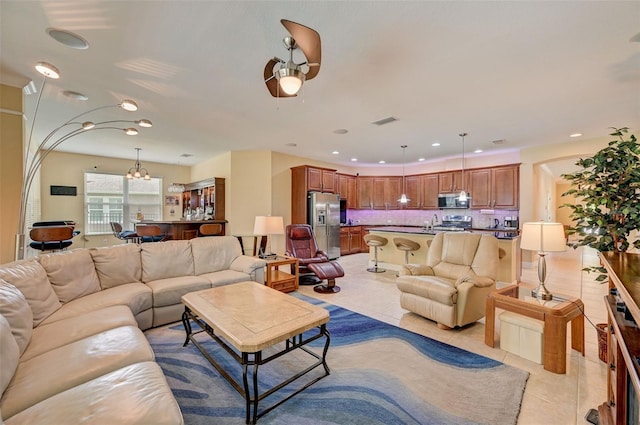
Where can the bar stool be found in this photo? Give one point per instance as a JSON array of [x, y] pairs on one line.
[[375, 241], [406, 245]]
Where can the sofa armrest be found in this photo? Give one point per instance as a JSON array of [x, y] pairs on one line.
[[416, 270], [477, 281], [250, 265]]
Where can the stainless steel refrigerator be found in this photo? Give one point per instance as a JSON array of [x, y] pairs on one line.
[[324, 218]]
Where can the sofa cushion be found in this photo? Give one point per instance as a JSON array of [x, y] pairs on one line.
[[14, 307], [73, 364], [31, 279], [225, 277], [142, 397], [170, 291], [117, 265], [430, 287], [9, 355], [71, 273], [213, 254], [47, 337], [136, 296], [162, 260]]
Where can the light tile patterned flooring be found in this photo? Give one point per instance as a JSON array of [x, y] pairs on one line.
[[549, 398]]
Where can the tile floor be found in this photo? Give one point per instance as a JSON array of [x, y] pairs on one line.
[[549, 398]]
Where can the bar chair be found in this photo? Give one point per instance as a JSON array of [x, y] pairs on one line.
[[51, 238], [151, 233], [375, 241], [128, 236]]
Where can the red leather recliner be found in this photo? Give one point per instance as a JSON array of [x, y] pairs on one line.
[[314, 264]]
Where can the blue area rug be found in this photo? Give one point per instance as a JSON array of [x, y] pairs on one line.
[[380, 374]]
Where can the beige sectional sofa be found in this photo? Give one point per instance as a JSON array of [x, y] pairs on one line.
[[72, 348]]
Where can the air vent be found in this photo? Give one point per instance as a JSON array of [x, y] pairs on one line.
[[186, 155], [499, 142], [384, 121]]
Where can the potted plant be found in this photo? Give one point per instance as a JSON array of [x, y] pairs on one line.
[[608, 190]]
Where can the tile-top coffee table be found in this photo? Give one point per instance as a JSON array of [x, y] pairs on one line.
[[251, 317]]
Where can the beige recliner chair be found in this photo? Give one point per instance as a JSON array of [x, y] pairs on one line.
[[451, 288]]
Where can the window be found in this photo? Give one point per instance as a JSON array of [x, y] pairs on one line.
[[110, 197]]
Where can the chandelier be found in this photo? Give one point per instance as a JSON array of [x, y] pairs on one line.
[[137, 172]]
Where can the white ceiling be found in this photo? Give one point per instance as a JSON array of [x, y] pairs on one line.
[[528, 72]]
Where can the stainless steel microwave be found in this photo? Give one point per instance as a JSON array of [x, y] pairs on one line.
[[452, 200]]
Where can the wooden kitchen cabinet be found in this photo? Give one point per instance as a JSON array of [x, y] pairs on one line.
[[429, 186], [413, 187], [450, 182], [320, 180], [347, 189], [386, 192], [350, 240], [304, 179], [364, 186], [496, 187]]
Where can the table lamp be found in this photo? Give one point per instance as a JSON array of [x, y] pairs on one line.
[[268, 225], [543, 237]]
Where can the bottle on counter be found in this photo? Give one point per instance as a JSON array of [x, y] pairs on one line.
[[139, 215]]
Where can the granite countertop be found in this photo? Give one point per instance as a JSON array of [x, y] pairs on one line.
[[418, 230]]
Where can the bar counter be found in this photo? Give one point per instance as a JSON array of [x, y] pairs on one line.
[[509, 266], [183, 229]]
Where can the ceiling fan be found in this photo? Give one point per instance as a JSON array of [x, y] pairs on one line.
[[284, 78]]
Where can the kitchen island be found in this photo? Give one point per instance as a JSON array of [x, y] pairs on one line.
[[183, 229], [389, 257]]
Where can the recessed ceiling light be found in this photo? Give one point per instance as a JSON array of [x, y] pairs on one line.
[[421, 159], [341, 131], [68, 38], [384, 121], [335, 152], [575, 135], [354, 159], [478, 151], [382, 162], [435, 144], [75, 95]]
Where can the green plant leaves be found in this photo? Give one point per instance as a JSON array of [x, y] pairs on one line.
[[607, 189]]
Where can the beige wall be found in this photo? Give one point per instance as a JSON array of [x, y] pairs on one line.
[[67, 169], [563, 215], [11, 135]]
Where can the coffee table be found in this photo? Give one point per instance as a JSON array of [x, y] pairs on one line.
[[555, 314], [246, 318]]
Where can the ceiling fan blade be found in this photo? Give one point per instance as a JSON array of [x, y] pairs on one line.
[[308, 40], [272, 82]]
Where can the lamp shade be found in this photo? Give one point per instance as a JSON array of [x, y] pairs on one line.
[[543, 236], [268, 225]]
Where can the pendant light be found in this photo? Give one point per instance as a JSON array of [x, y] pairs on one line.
[[403, 199], [137, 172], [463, 195]]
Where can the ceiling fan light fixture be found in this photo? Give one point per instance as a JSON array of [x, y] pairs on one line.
[[48, 70], [290, 78]]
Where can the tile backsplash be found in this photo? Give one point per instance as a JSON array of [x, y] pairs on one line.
[[480, 218]]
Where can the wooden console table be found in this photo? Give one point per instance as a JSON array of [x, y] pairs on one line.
[[555, 314]]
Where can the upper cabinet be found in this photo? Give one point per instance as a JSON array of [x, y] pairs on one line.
[[347, 189], [364, 187], [429, 186], [495, 187], [320, 179], [207, 195], [305, 178], [386, 192], [450, 181]]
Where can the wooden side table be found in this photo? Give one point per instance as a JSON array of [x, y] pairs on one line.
[[281, 280], [555, 314]]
